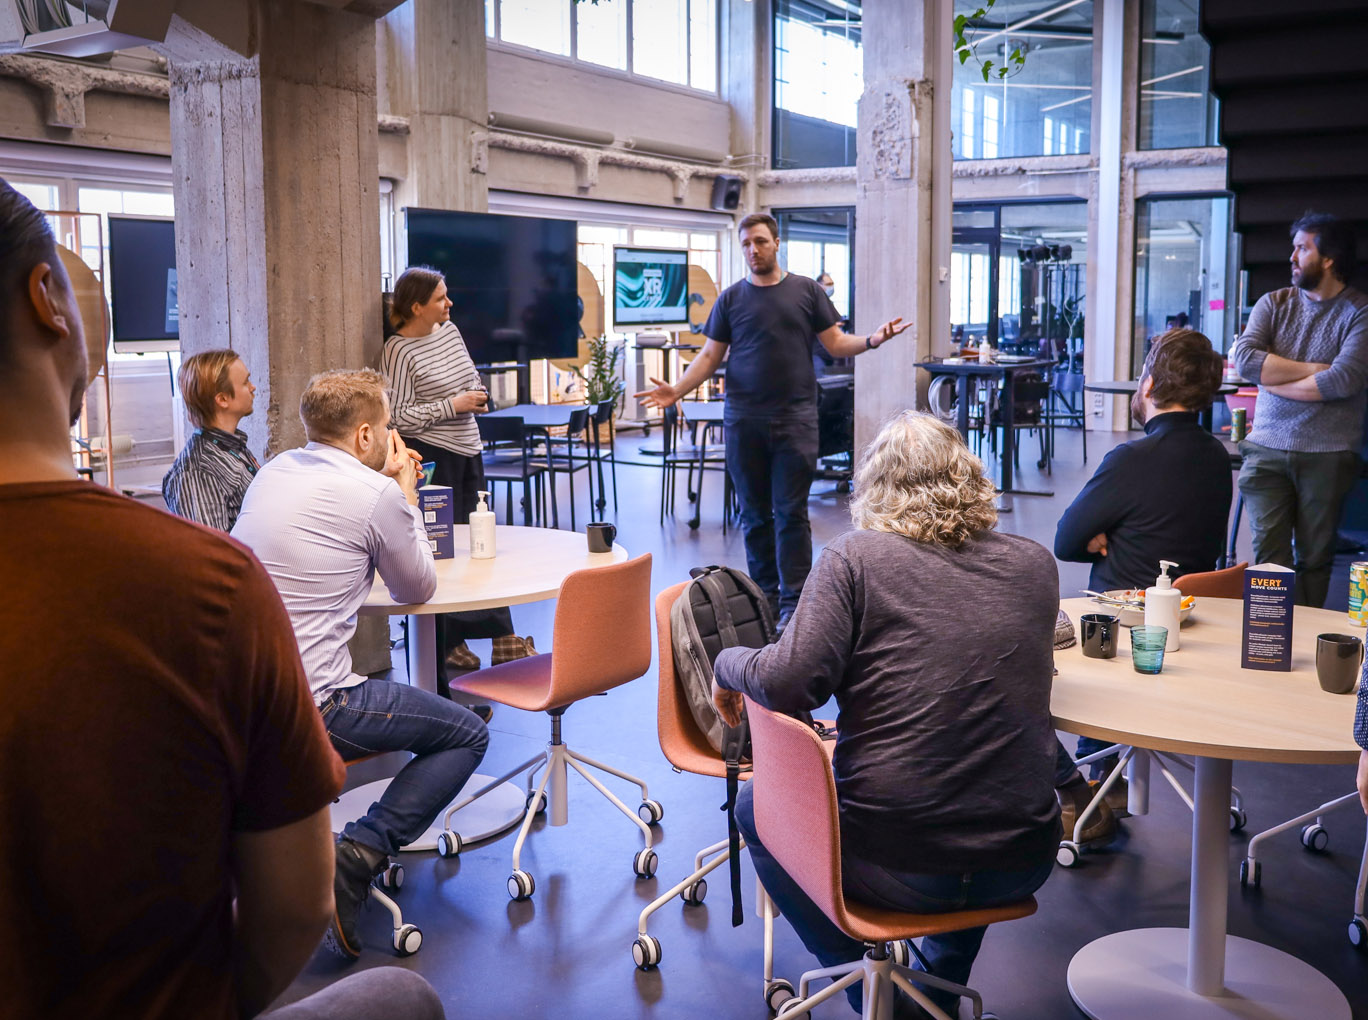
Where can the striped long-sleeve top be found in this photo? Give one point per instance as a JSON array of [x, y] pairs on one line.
[[210, 477], [424, 374]]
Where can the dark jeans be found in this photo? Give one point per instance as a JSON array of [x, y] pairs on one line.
[[1091, 745], [465, 474], [448, 740], [950, 955], [1294, 502], [772, 463]]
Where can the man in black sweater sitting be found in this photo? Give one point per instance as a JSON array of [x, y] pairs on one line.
[[1166, 496]]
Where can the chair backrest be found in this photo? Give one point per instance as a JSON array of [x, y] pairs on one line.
[[500, 430], [796, 814], [1215, 584], [681, 741], [602, 633], [603, 413], [579, 421]]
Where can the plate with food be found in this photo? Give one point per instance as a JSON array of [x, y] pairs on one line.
[[1129, 605]]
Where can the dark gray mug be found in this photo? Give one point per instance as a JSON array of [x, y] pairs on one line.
[[1338, 660], [601, 536], [1098, 633]]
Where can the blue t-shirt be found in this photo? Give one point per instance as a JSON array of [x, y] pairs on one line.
[[770, 330]]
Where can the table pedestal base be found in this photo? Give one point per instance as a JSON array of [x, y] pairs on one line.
[[1142, 975], [498, 810]]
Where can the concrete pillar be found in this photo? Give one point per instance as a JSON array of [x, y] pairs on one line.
[[902, 204], [276, 179], [747, 84], [433, 55]]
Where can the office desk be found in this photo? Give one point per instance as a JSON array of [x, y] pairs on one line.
[[1204, 704]]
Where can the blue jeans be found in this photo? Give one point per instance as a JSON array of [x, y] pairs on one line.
[[447, 739], [772, 463], [950, 955], [1091, 745]]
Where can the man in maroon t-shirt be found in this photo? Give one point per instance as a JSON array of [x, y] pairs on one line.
[[165, 777]]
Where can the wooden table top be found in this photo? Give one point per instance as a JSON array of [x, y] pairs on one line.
[[1203, 703], [529, 566]]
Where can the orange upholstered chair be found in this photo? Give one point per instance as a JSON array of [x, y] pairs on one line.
[[1215, 584], [601, 640], [797, 818], [688, 750]]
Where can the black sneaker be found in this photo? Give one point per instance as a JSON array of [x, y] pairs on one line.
[[351, 888]]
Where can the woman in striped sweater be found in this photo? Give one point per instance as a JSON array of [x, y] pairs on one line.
[[435, 393]]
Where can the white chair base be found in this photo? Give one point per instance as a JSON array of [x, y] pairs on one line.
[[406, 939], [555, 761], [880, 975], [1135, 762]]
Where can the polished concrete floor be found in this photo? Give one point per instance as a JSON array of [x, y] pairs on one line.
[[567, 952]]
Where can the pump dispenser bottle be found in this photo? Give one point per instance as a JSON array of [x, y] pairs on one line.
[[482, 530], [1162, 603]]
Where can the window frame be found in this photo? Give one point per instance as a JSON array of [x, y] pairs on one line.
[[498, 43]]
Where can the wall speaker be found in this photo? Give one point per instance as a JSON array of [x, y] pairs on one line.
[[726, 193]]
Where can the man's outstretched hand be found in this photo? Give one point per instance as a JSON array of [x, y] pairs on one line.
[[888, 331], [662, 396]]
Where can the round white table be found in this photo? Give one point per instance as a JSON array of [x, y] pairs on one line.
[[529, 566], [1203, 704]]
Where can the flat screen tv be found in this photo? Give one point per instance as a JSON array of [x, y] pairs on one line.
[[650, 288], [142, 284], [511, 279]]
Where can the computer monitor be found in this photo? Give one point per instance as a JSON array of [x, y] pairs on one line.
[[142, 284], [650, 288]]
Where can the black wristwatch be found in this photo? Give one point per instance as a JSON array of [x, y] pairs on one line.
[[869, 342]]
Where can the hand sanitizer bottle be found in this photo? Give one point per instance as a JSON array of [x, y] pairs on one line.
[[482, 530], [1162, 603]]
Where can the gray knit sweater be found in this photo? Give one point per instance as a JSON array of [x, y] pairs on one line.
[[1288, 323]]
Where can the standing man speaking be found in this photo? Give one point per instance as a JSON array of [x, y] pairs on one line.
[[769, 319]]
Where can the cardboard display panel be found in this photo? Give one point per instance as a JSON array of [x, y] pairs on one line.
[[90, 300]]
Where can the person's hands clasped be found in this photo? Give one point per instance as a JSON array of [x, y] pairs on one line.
[[664, 395], [470, 402], [888, 331], [729, 704], [403, 465]]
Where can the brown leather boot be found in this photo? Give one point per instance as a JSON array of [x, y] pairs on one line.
[[1118, 797], [510, 647], [1073, 798]]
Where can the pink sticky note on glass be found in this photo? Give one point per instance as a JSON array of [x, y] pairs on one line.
[[1217, 305]]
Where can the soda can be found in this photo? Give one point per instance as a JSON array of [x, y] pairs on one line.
[[1237, 424], [1358, 593]]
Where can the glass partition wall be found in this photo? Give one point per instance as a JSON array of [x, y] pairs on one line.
[[1176, 108], [818, 78]]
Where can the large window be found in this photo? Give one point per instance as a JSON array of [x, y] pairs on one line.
[[817, 241], [669, 40], [818, 77], [1184, 270], [1043, 109], [1176, 107]]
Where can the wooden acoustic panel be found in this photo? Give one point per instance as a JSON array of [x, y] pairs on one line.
[[701, 285], [90, 300], [591, 319]]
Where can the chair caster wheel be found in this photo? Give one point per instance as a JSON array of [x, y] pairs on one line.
[[1067, 854], [520, 885], [1238, 819], [407, 940], [900, 953], [1315, 838], [449, 843], [843, 487], [1358, 933], [693, 894], [392, 878], [644, 863], [1250, 878], [646, 952], [650, 812], [790, 1008], [541, 803], [777, 993]]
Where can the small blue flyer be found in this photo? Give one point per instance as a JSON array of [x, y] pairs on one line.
[[435, 503], [1269, 591]]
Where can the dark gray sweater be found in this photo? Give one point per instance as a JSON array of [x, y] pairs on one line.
[[941, 662]]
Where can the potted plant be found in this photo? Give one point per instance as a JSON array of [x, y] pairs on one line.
[[601, 377]]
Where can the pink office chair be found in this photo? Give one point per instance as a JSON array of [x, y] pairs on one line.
[[797, 818], [601, 640]]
